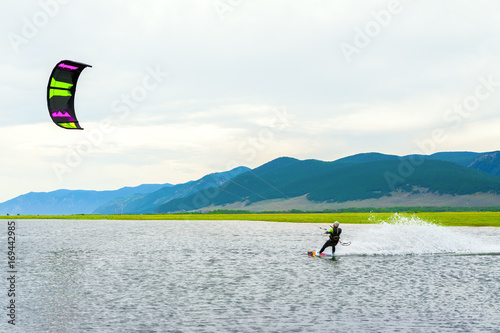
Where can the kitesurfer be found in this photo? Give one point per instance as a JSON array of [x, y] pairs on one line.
[[334, 232]]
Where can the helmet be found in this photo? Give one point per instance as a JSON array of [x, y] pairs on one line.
[[336, 224]]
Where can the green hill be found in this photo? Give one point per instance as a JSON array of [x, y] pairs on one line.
[[146, 203], [463, 158], [376, 179], [358, 177]]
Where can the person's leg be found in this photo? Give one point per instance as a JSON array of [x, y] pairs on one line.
[[327, 244], [333, 247]]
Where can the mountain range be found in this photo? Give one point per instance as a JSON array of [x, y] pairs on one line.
[[140, 199], [362, 180]]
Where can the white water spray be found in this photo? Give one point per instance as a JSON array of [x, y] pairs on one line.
[[402, 235]]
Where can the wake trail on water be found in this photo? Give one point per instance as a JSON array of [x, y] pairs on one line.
[[402, 235]]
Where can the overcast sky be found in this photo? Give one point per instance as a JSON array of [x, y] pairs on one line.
[[182, 88]]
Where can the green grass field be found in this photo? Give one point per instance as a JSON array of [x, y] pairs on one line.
[[462, 219]]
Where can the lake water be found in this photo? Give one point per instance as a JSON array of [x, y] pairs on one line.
[[234, 276]]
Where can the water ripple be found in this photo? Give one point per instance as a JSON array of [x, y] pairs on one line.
[[229, 276]]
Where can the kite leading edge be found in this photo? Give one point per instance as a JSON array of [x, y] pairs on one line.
[[61, 93]]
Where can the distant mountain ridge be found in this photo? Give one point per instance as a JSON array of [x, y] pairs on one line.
[[64, 202], [146, 203], [487, 162], [463, 178], [354, 178]]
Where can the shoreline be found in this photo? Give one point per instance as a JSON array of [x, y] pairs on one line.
[[452, 219]]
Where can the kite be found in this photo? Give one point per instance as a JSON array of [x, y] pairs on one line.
[[61, 93]]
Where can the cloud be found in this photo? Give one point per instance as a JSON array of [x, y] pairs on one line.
[[475, 135], [227, 74]]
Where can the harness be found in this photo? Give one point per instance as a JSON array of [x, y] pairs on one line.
[[335, 234]]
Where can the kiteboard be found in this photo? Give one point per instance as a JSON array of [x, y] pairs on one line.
[[323, 255]]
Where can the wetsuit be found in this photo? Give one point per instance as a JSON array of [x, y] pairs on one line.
[[334, 239]]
